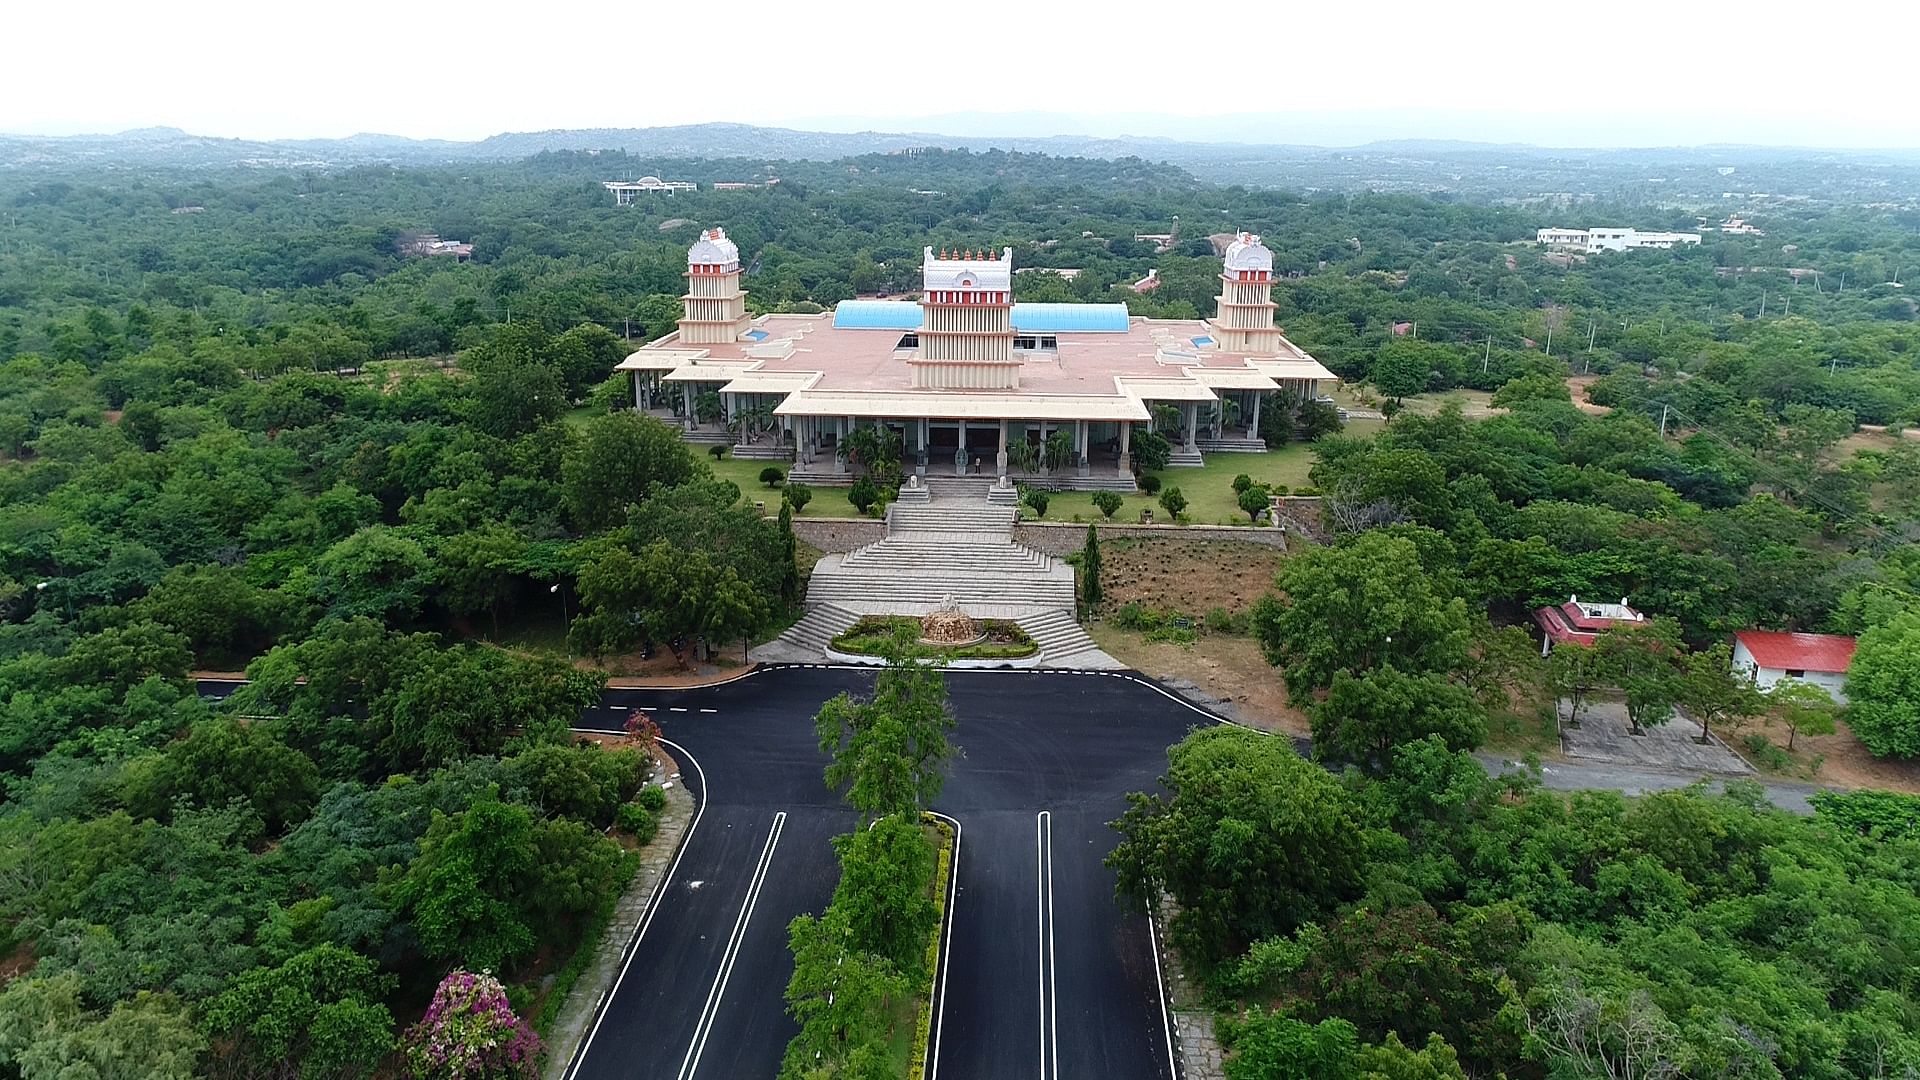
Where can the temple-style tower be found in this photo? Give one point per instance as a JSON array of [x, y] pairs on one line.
[[966, 322], [1243, 317], [714, 309]]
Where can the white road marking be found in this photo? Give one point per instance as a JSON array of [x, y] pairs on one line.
[[633, 946], [704, 1028], [1049, 1005], [946, 950], [1160, 988], [618, 708], [709, 710], [675, 708]]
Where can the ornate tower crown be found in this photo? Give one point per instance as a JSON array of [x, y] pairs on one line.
[[713, 253], [978, 271], [1247, 253]]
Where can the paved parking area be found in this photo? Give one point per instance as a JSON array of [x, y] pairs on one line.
[[1605, 735]]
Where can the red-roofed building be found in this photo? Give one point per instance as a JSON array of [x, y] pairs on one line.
[[1581, 621], [1770, 655]]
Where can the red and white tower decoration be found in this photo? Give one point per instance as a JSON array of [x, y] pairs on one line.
[[966, 322], [714, 309], [1243, 317]]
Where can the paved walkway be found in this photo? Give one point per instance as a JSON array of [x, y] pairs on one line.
[[955, 546], [1604, 734]]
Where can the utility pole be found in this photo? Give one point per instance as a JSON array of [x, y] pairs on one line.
[[1549, 341], [1663, 421], [1488, 359], [1763, 304], [1788, 309]]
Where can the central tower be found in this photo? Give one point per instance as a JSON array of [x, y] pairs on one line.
[[1243, 313], [714, 309], [966, 322]]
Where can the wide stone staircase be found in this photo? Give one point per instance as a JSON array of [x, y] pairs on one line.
[[952, 545]]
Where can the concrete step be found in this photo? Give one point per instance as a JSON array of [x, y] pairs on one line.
[[819, 626], [1185, 459], [864, 592], [761, 452], [709, 437], [1232, 444]]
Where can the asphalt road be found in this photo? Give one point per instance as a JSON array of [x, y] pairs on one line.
[[1045, 974]]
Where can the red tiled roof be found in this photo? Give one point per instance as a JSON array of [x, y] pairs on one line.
[[1798, 652]]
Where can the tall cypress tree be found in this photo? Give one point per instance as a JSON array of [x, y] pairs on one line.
[[1090, 595]]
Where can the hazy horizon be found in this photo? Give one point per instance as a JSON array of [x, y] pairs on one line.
[[1672, 73]]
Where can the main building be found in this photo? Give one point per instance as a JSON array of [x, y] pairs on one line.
[[965, 373]]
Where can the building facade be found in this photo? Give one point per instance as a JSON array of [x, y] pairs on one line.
[[970, 380], [1770, 656], [1611, 238]]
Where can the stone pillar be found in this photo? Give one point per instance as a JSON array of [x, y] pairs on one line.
[[960, 451], [1253, 426], [1126, 443], [1193, 421], [636, 392], [686, 398], [920, 469], [840, 429], [1043, 448], [1080, 443], [1000, 459]]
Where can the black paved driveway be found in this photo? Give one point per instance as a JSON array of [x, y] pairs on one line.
[[1046, 975]]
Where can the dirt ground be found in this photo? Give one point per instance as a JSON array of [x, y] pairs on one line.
[[1844, 762], [1177, 575], [1227, 669], [1578, 384]]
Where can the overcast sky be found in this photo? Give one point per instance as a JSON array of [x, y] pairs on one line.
[[1636, 72]]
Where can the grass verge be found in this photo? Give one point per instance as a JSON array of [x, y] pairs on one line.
[[915, 1067]]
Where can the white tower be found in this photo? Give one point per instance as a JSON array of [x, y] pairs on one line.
[[966, 322], [1243, 316], [714, 309]]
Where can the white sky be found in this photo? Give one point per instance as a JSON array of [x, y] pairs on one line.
[[1539, 71]]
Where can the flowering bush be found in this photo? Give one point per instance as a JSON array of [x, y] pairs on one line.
[[642, 729], [470, 1031]]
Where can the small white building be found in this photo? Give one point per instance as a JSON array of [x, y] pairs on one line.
[[1771, 655], [625, 191], [1612, 238]]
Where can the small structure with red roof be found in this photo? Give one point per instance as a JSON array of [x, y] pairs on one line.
[[1772, 655], [1579, 621]]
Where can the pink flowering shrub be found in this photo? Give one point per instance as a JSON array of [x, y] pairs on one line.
[[642, 729], [470, 1032]]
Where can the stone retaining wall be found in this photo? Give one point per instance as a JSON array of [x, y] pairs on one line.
[[839, 534], [1063, 537], [1053, 537]]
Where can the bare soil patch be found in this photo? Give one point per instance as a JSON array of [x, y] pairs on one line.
[[1577, 385], [1186, 576], [1225, 668], [1842, 761]]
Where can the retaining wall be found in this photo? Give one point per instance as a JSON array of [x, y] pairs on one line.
[[1053, 537]]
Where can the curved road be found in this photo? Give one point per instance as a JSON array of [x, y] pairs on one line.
[[1044, 974]]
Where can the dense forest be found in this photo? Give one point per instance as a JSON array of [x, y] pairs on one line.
[[241, 430]]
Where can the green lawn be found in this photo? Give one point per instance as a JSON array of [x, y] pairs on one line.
[[1209, 489]]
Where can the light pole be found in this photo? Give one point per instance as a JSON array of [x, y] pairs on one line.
[[564, 617]]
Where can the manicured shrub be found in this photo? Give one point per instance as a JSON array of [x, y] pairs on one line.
[[772, 476], [637, 819], [1150, 483], [1107, 502], [1173, 502], [798, 496], [653, 797]]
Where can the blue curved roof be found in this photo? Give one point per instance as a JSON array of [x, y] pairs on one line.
[[1027, 318]]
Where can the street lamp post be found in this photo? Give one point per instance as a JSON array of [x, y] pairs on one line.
[[564, 617]]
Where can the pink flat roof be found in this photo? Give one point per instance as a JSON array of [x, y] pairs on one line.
[[1085, 363]]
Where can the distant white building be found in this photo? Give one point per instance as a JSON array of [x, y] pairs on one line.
[[625, 191], [1609, 238]]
